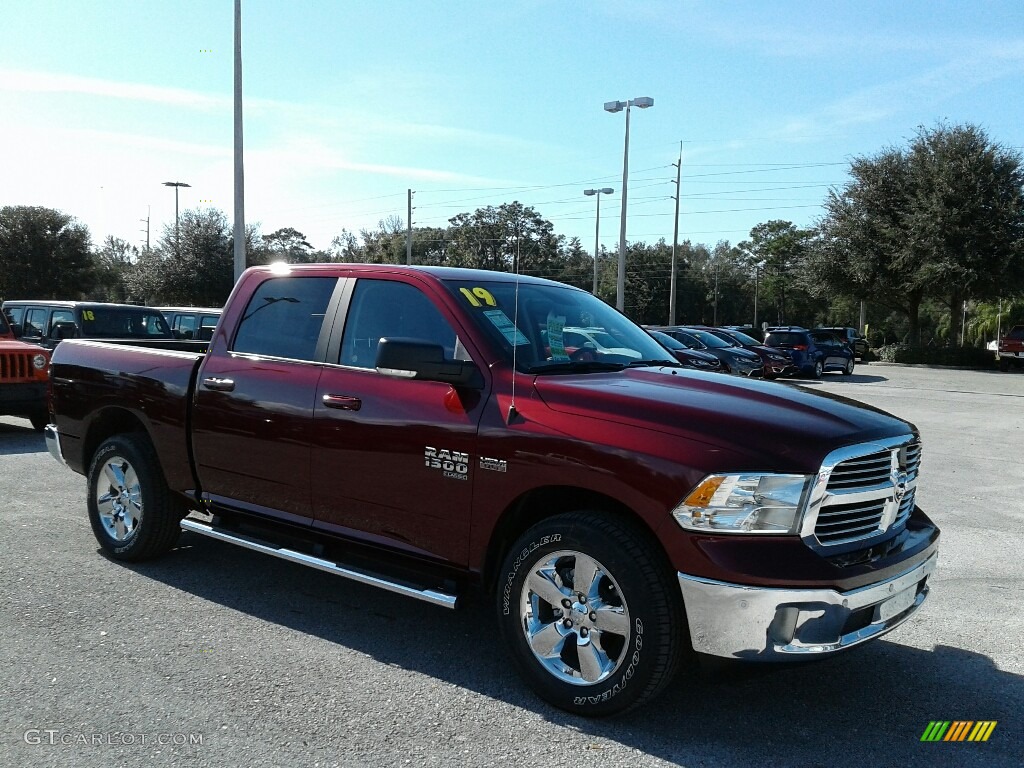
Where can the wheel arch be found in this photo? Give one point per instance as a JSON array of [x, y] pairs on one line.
[[541, 503], [106, 424]]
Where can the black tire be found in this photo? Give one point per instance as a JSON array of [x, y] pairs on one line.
[[39, 420], [629, 634], [133, 514], [1004, 364], [848, 370], [819, 369]]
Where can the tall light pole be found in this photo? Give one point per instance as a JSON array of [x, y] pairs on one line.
[[239, 170], [597, 225], [641, 102], [177, 237]]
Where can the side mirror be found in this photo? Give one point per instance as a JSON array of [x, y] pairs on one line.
[[65, 330], [415, 359]]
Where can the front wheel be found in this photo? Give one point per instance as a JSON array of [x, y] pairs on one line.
[[133, 514], [819, 369], [591, 613], [39, 420]]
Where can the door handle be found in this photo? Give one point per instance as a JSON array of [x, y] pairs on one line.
[[219, 385], [343, 402]]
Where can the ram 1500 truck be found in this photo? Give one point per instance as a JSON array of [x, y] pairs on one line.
[[430, 431], [1011, 348]]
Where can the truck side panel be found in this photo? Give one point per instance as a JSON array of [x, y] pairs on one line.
[[97, 385]]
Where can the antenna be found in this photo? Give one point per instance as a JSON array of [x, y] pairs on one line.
[[515, 326]]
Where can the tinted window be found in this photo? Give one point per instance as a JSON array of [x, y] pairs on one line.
[[709, 339], [99, 322], [14, 314], [785, 339], [284, 316], [3, 324], [387, 309], [35, 322]]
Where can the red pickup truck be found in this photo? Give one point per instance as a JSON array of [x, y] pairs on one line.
[[1011, 348], [430, 431]]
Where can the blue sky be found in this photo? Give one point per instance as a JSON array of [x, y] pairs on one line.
[[348, 104]]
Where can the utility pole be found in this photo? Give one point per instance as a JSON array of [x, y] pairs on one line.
[[239, 265], [408, 231], [148, 207], [675, 243]]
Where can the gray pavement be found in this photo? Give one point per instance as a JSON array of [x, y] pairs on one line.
[[215, 656]]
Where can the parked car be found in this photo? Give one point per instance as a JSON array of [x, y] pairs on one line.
[[754, 333], [23, 376], [47, 322], [734, 359], [813, 352], [1010, 350], [776, 362], [408, 428], [192, 322], [691, 358], [851, 336], [597, 340]]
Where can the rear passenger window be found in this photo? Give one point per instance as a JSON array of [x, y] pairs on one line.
[[284, 317]]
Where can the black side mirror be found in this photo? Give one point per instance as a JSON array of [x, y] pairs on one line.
[[64, 330], [416, 359]]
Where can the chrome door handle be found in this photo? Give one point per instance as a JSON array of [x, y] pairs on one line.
[[343, 402], [219, 385]]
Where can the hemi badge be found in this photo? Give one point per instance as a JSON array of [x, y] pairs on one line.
[[495, 465]]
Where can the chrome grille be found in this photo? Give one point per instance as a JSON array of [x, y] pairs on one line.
[[861, 496]]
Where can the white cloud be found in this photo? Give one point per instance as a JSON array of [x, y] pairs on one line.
[[16, 80]]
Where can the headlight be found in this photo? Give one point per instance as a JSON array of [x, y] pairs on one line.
[[39, 361], [745, 503], [699, 362]]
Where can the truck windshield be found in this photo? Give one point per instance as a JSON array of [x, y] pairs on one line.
[[557, 329]]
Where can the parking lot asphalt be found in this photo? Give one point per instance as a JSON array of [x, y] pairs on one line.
[[216, 656]]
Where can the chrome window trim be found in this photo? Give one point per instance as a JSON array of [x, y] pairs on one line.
[[820, 497]]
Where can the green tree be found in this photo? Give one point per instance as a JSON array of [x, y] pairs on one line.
[[44, 254], [943, 219], [509, 238], [196, 269], [113, 263], [288, 245], [781, 248]]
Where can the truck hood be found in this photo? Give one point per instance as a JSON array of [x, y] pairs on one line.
[[775, 425]]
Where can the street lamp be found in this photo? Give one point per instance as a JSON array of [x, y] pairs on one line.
[[177, 238], [641, 102], [597, 225]]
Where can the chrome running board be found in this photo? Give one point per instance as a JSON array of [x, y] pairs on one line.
[[427, 595]]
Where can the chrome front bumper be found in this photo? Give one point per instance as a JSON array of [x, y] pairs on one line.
[[53, 442], [761, 623]]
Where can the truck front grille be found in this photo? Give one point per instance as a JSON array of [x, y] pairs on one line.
[[868, 492], [16, 366]]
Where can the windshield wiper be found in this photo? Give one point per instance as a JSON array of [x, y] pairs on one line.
[[655, 364], [576, 366]]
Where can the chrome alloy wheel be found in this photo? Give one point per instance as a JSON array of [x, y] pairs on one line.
[[119, 503], [574, 618]]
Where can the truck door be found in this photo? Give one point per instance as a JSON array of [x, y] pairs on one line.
[[253, 414], [394, 459]]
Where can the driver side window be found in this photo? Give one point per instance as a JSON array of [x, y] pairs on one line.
[[389, 309]]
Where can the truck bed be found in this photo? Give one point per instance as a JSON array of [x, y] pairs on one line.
[[146, 383]]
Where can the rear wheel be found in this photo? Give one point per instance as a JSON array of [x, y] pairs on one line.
[[591, 613], [133, 514], [39, 420], [848, 370], [1004, 363], [819, 368]]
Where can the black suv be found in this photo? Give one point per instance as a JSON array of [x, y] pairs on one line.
[[813, 352], [48, 322]]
